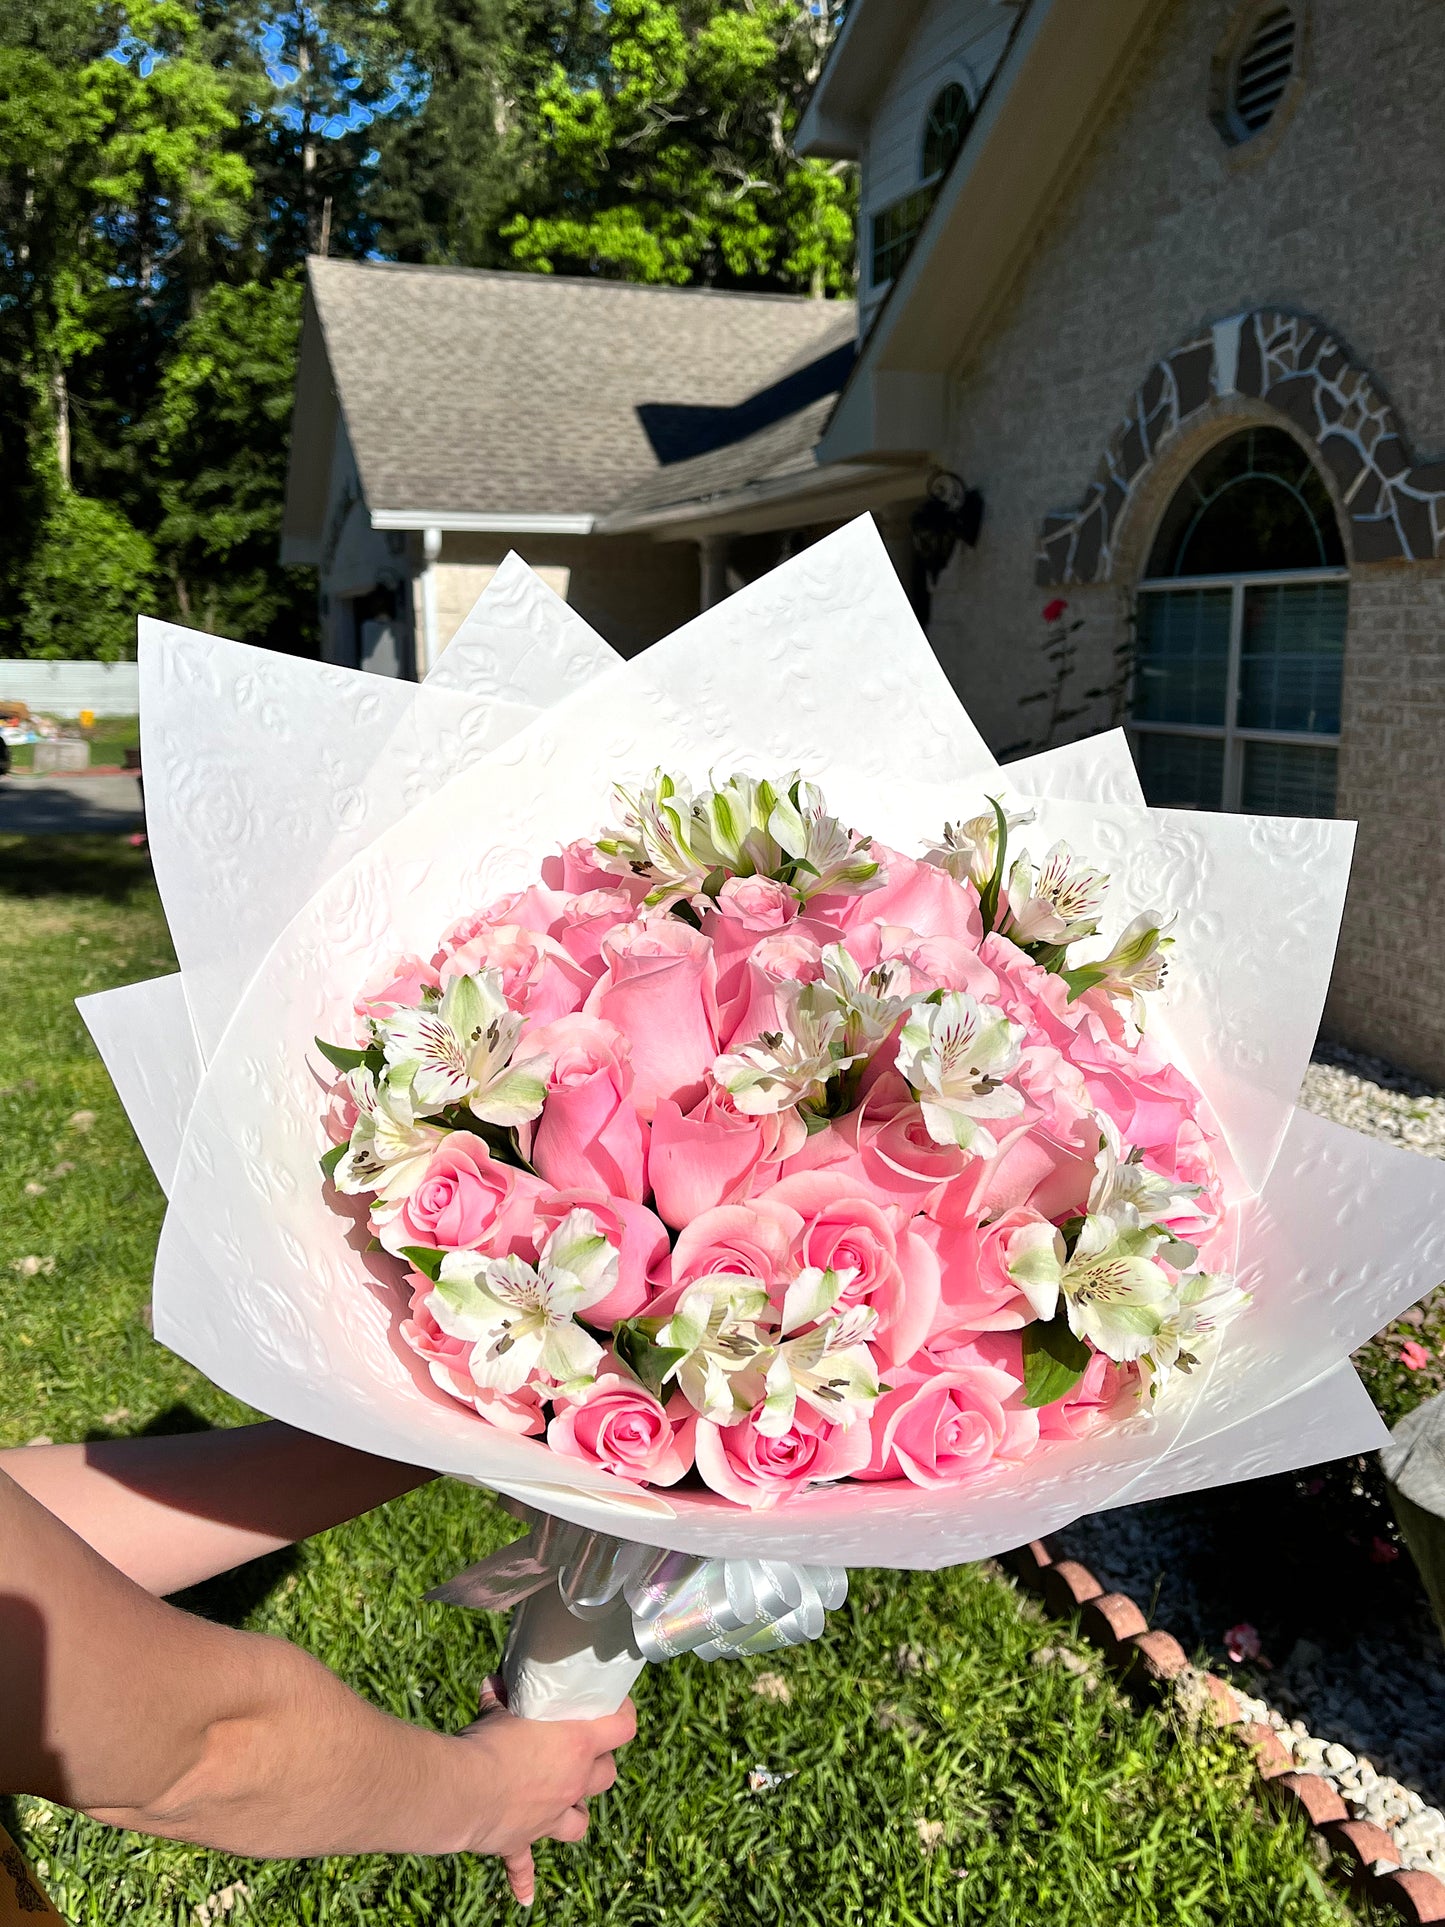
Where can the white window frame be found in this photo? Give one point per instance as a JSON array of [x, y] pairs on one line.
[[1230, 732]]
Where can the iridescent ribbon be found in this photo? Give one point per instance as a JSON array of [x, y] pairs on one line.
[[716, 1608]]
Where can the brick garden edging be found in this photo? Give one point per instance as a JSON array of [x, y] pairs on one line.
[[1151, 1664]]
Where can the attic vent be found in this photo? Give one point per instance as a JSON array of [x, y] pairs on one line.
[[1263, 70]]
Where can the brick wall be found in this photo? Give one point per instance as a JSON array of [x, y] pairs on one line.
[[1332, 212]]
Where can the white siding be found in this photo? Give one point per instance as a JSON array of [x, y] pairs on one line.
[[959, 40]]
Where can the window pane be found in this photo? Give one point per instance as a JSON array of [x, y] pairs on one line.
[[1180, 772], [1286, 779], [1254, 504], [895, 229], [1182, 656], [1292, 657]]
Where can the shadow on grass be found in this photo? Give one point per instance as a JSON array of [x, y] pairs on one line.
[[72, 866]]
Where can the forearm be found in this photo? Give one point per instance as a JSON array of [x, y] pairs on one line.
[[297, 1765], [148, 1717], [169, 1512]]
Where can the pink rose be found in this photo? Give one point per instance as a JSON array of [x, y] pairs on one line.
[[448, 1361], [539, 978], [886, 1148], [759, 1472], [949, 1427], [467, 1201], [740, 1240], [398, 987], [586, 920], [589, 1132], [918, 895], [577, 868], [658, 989], [618, 1426], [340, 1115], [1101, 1396], [788, 956], [894, 1270], [714, 1155], [644, 1258], [976, 1291], [745, 910]]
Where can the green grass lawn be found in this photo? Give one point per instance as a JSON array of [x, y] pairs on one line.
[[950, 1764], [109, 738]]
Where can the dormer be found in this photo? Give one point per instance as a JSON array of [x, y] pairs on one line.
[[899, 95]]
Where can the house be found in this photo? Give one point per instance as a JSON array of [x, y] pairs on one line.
[[1160, 280], [444, 416]]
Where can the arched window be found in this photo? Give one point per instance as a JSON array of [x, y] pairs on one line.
[[944, 131], [1240, 637]]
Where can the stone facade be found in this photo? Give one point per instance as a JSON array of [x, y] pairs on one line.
[[1310, 259]]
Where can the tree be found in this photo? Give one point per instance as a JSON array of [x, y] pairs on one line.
[[216, 438], [647, 140], [90, 575]]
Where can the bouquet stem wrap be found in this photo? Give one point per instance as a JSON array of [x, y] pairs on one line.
[[589, 1612]]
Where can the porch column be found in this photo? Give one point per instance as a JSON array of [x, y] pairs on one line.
[[426, 635], [712, 555]]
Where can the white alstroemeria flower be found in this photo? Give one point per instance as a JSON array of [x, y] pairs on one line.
[[1134, 967], [523, 1319], [389, 1151], [460, 1050], [781, 1068], [969, 850], [828, 856], [1058, 906], [656, 839], [828, 1364], [736, 825], [871, 1001], [1116, 1297], [955, 1054], [1128, 1180], [1207, 1301], [716, 1328]]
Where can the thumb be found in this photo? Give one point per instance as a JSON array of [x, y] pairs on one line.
[[521, 1876]]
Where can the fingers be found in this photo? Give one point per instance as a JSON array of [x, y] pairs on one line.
[[493, 1696], [603, 1774], [570, 1826], [521, 1876]]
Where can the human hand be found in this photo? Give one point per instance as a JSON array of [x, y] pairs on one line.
[[541, 1774]]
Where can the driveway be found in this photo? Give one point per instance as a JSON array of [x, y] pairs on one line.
[[56, 805]]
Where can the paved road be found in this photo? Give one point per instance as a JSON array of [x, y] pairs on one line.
[[50, 805]]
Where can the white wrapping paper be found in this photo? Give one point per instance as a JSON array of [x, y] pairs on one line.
[[820, 666]]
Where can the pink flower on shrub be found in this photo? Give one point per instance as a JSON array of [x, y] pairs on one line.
[[1413, 1356]]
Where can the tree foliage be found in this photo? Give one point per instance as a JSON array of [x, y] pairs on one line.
[[167, 165]]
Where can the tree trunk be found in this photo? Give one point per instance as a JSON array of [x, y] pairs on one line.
[[60, 402]]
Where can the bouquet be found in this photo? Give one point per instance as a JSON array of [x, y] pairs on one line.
[[739, 1145], [775, 1180]]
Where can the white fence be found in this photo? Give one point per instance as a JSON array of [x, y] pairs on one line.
[[65, 688]]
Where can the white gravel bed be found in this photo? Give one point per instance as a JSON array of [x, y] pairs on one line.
[[1417, 1830], [1375, 1098]]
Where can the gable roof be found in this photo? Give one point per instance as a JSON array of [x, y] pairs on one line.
[[868, 46], [472, 397], [1065, 62]]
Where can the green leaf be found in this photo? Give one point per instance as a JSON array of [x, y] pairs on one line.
[[350, 1060], [644, 1358], [989, 895], [1054, 1361], [332, 1158], [424, 1260], [1082, 979]]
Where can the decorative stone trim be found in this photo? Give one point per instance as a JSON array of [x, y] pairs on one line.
[[1395, 507], [1151, 1664]]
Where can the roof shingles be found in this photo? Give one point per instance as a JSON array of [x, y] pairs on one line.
[[468, 392]]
